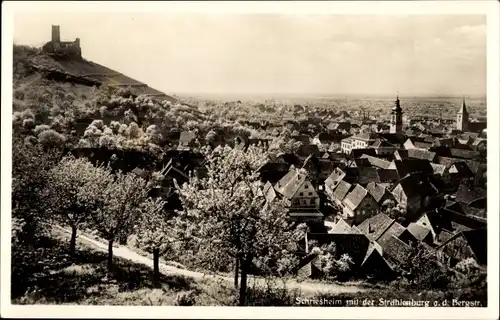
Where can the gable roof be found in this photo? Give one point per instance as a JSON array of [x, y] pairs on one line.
[[290, 183], [356, 153], [341, 227], [416, 185], [387, 175], [376, 162], [374, 226], [409, 166], [341, 190], [466, 194], [396, 249], [367, 175], [334, 178], [421, 154], [394, 229], [355, 197], [307, 149], [461, 169], [417, 231], [376, 191]]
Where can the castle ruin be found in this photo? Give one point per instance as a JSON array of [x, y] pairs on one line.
[[62, 48]]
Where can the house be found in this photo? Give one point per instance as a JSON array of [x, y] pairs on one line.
[[463, 245], [376, 162], [186, 140], [459, 172], [367, 174], [479, 144], [358, 205], [340, 192], [324, 138], [379, 192], [306, 150], [396, 252], [374, 226], [304, 138], [303, 199], [467, 194], [273, 171], [333, 180], [394, 229], [374, 264], [417, 143], [383, 147], [387, 177], [357, 153], [406, 167], [414, 193], [421, 154], [346, 145], [363, 140], [416, 233]]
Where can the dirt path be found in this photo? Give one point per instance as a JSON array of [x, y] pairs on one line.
[[126, 253]]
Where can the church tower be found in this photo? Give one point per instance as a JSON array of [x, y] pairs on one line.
[[396, 118], [462, 118]]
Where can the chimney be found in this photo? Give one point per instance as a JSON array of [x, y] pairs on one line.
[[56, 34]]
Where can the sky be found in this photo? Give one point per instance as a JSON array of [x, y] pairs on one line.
[[278, 54]]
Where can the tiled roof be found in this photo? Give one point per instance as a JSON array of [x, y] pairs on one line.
[[290, 183], [461, 169], [366, 136], [341, 227], [387, 175], [376, 162], [356, 153], [467, 195], [409, 166], [394, 229], [418, 231], [377, 191], [416, 185], [374, 226], [465, 154], [334, 179], [354, 198], [308, 149], [341, 190], [438, 168], [421, 154], [396, 249], [367, 175]]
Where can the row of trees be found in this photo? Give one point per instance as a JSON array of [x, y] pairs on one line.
[[225, 221]]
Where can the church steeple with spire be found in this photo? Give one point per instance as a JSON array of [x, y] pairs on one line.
[[396, 118], [463, 117]]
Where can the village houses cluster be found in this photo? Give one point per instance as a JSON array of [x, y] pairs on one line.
[[384, 190]]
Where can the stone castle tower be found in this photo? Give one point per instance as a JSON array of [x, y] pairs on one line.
[[462, 118], [62, 48], [396, 118]]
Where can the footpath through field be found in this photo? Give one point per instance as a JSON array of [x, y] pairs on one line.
[[126, 253]]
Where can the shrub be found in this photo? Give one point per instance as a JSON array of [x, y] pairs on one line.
[[51, 138], [29, 123], [185, 299], [115, 126], [19, 94], [41, 128], [99, 124]]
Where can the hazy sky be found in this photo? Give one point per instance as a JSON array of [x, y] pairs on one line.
[[234, 53]]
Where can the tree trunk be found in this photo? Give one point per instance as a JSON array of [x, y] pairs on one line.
[[72, 243], [245, 267], [110, 256], [236, 271], [156, 267]]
